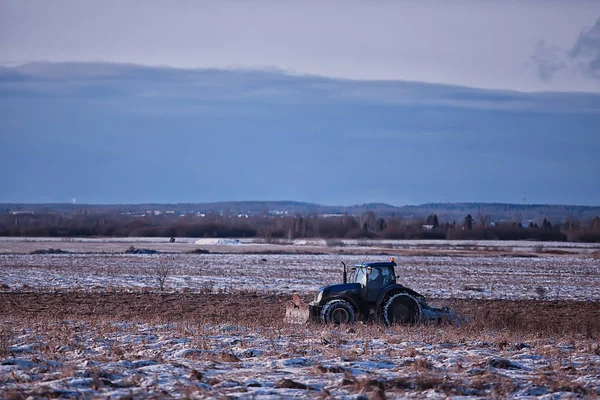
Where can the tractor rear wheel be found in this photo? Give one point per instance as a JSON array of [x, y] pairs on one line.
[[337, 312], [401, 308]]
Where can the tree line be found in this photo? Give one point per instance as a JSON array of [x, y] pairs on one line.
[[364, 226]]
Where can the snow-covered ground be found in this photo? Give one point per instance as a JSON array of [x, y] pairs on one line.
[[121, 359], [100, 356], [506, 245], [502, 277]]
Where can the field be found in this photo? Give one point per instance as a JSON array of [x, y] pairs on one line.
[[94, 322]]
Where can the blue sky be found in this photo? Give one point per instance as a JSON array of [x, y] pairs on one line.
[[331, 102]]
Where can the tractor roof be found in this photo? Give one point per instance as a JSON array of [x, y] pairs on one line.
[[377, 264]]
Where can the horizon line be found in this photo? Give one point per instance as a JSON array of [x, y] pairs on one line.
[[300, 202]]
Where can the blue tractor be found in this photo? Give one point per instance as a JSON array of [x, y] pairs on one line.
[[370, 292]]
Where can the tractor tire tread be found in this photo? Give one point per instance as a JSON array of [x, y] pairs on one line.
[[332, 305], [415, 310]]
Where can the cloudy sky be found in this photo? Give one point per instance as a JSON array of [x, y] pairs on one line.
[[529, 46], [331, 102]]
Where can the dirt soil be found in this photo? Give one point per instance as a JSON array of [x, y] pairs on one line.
[[559, 317]]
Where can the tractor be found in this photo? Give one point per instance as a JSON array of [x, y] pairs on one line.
[[372, 292]]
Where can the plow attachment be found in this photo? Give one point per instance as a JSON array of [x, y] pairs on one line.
[[441, 316], [296, 312]]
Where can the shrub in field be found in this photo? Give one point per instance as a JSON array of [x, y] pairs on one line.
[[541, 292], [49, 251], [207, 287], [161, 272], [198, 251], [133, 250], [4, 340], [334, 243]]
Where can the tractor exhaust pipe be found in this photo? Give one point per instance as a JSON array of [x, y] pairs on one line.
[[345, 274]]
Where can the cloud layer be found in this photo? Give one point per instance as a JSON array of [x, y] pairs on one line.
[[105, 133], [477, 44], [582, 59]]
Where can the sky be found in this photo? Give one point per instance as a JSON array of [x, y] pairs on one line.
[[331, 102], [527, 46]]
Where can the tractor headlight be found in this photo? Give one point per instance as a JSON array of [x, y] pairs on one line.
[[319, 296]]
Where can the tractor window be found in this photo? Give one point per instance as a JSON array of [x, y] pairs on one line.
[[359, 276], [381, 277], [388, 276], [376, 278], [374, 274]]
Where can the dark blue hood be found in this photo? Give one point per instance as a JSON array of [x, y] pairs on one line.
[[341, 287]]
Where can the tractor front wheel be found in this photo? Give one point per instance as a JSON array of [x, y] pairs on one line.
[[337, 312], [401, 308]]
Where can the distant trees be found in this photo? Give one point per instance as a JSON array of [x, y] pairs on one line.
[[469, 222], [578, 233], [546, 225], [433, 221], [571, 223], [366, 225], [484, 219], [367, 221]]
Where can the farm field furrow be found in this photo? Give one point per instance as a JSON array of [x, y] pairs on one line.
[[549, 276]]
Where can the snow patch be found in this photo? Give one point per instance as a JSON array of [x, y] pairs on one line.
[[218, 242]]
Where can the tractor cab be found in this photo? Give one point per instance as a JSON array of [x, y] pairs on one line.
[[373, 277]]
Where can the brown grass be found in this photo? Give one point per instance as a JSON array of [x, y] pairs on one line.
[[422, 365], [49, 317], [502, 319], [5, 335]]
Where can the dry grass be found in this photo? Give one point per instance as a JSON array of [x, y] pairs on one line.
[[531, 318], [5, 335], [416, 371], [62, 324], [422, 365], [487, 327]]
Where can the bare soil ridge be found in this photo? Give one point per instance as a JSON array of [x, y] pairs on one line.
[[546, 318]]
